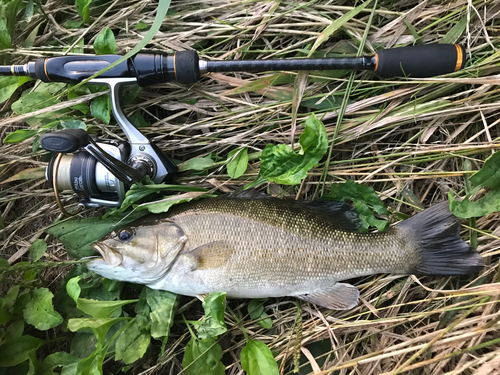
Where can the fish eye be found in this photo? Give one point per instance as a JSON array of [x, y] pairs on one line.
[[125, 235]]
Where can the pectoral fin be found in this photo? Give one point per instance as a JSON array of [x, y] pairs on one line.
[[210, 256], [340, 296]]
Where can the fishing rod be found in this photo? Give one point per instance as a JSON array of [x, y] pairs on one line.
[[100, 171]]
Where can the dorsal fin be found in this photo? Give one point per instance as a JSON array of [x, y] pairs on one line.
[[246, 194], [342, 215]]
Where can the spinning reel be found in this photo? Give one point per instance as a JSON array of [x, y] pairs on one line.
[[101, 171]]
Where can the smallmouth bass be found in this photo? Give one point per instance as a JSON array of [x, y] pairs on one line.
[[260, 246]]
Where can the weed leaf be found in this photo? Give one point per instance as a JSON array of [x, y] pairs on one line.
[[37, 249], [203, 357], [77, 234], [163, 306], [257, 359], [237, 162], [196, 164], [282, 165], [213, 323], [8, 85], [18, 350], [20, 135], [83, 9], [364, 199], [488, 178], [132, 343], [256, 312], [105, 43], [100, 108], [40, 312]]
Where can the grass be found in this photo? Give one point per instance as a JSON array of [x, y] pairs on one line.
[[411, 140]]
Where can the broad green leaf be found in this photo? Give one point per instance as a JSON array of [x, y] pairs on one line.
[[257, 359], [282, 165], [337, 24], [164, 204], [37, 249], [30, 39], [5, 316], [466, 209], [256, 312], [77, 234], [456, 31], [203, 357], [364, 199], [72, 24], [11, 296], [213, 323], [8, 85], [20, 135], [142, 25], [237, 162], [101, 309], [100, 326], [5, 35], [40, 312], [196, 164], [18, 350], [33, 101], [138, 120], [14, 330], [163, 306], [105, 43], [132, 343], [142, 311], [92, 365], [50, 88], [94, 308], [65, 360], [73, 124], [145, 188], [488, 175], [100, 108], [83, 9]]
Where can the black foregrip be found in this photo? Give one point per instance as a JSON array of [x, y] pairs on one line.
[[426, 60], [74, 69]]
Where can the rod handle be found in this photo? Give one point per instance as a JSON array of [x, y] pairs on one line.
[[421, 61]]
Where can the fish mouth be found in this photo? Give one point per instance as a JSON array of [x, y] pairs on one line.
[[110, 255]]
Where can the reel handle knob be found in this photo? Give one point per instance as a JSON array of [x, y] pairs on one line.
[[65, 141]]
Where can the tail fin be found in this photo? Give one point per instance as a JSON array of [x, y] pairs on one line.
[[435, 232]]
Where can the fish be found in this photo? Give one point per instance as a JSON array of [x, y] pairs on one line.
[[257, 246]]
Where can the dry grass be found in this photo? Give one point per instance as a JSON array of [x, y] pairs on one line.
[[411, 140]]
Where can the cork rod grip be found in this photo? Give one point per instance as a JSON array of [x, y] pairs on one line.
[[422, 61]]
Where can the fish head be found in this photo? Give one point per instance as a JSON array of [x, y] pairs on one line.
[[140, 253]]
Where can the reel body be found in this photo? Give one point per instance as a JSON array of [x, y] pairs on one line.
[[101, 171]]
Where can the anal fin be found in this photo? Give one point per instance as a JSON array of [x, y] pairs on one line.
[[340, 296]]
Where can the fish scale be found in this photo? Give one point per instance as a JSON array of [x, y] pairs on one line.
[[256, 247], [274, 246]]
